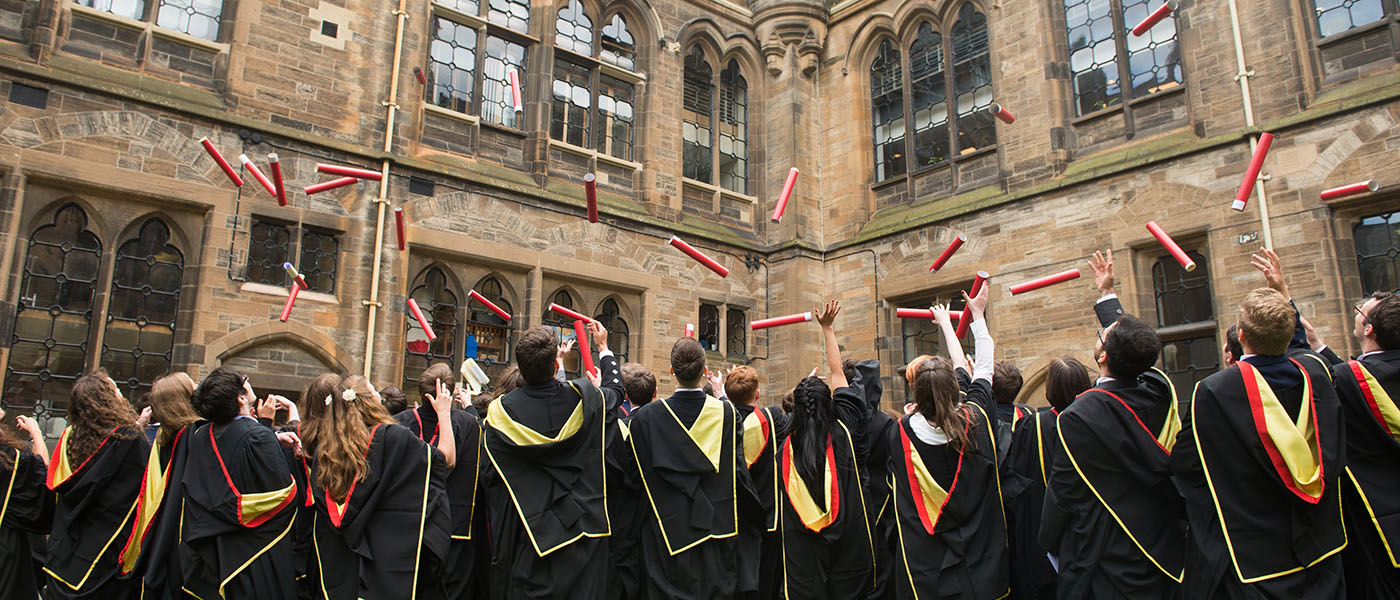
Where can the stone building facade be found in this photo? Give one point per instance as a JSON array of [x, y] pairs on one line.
[[124, 246]]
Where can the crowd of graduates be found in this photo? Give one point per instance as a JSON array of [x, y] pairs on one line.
[[1277, 477]]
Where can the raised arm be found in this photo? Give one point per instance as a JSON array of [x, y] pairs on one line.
[[447, 441], [36, 437], [609, 372], [1108, 308], [826, 317], [950, 335], [984, 359]]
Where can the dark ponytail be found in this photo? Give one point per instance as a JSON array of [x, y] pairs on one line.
[[813, 417], [937, 398]]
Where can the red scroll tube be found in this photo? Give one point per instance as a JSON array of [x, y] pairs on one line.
[[422, 321], [223, 164], [1171, 246], [584, 353], [258, 174], [515, 100], [699, 256], [277, 179], [489, 304], [292, 272], [569, 314], [1036, 284], [1364, 187], [345, 171], [965, 321], [947, 254], [291, 299], [777, 321], [923, 314], [690, 330], [330, 185], [590, 191], [1255, 165], [787, 193], [1154, 18], [1002, 114], [398, 227]]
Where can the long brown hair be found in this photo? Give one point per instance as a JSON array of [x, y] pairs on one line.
[[7, 439], [337, 433], [170, 405], [937, 398], [95, 410]]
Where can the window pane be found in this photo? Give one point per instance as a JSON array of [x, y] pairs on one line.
[[452, 65], [1182, 297], [439, 306], [568, 110], [573, 30], [136, 348], [887, 111], [1154, 62], [737, 326], [1336, 16], [501, 58], [1188, 361], [709, 327], [930, 98], [1093, 58], [697, 112], [269, 245], [52, 320], [619, 335], [564, 331], [512, 14], [618, 46], [733, 129], [613, 128], [1377, 253], [972, 77], [199, 18], [466, 6], [320, 251], [488, 335], [131, 9]]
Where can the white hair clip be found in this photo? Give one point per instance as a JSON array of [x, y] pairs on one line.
[[329, 398], [348, 395]]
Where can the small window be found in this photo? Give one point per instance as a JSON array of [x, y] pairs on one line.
[[564, 330], [269, 246], [619, 334], [320, 252], [330, 29], [438, 301], [1185, 320], [28, 95], [736, 340], [709, 327], [1104, 54], [1378, 252]]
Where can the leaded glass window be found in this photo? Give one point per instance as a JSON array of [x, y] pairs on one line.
[[502, 57], [1187, 361], [590, 107], [438, 301], [488, 335], [1182, 296], [140, 333], [614, 126], [697, 115], [1378, 252], [573, 30], [619, 48], [708, 334], [511, 14], [1336, 16], [269, 246], [199, 18], [131, 9], [929, 99], [737, 328], [619, 335], [568, 115], [452, 65], [48, 348], [320, 251], [733, 129], [887, 108], [972, 77], [1103, 52], [564, 330]]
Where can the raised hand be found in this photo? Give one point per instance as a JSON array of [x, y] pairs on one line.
[[144, 419], [600, 335], [293, 415], [978, 304], [442, 402], [1272, 268], [289, 439], [940, 315], [29, 426], [826, 315], [565, 347], [1102, 263], [267, 408]]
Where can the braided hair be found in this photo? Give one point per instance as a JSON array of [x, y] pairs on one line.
[[813, 417]]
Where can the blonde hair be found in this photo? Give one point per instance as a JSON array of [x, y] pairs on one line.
[[1267, 321], [170, 405]]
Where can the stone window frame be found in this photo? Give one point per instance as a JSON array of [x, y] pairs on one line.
[[601, 70], [297, 230], [151, 15], [715, 195], [1389, 21], [1125, 100], [724, 342], [486, 30], [716, 81], [902, 43], [1201, 335]]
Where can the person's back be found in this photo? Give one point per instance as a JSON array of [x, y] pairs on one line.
[[26, 509], [545, 490], [1367, 388], [1258, 461]]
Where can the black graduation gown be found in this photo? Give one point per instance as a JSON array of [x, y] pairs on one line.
[[460, 578], [92, 517], [1274, 543], [1371, 487], [149, 551], [546, 488], [764, 431], [834, 557], [389, 537], [876, 472], [1112, 516], [26, 507], [237, 506], [965, 556], [1032, 453], [627, 512]]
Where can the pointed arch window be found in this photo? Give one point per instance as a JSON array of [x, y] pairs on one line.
[[697, 117], [488, 335], [564, 330], [917, 93], [619, 334], [733, 129], [591, 106], [139, 338], [439, 303], [49, 343]]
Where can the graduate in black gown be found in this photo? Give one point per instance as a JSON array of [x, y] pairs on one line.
[[702, 513], [380, 519], [456, 434], [1112, 517], [150, 550], [551, 471], [96, 471], [236, 498], [1259, 461], [627, 511], [1368, 388], [26, 507], [828, 545], [764, 428], [1032, 457], [876, 472], [950, 525]]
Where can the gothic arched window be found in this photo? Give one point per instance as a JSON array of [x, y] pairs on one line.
[[619, 335], [140, 333], [438, 301], [488, 335]]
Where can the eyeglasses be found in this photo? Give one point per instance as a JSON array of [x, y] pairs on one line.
[[1364, 318], [1100, 334]]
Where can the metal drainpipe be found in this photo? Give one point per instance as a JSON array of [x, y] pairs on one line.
[[1243, 78], [392, 106]]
